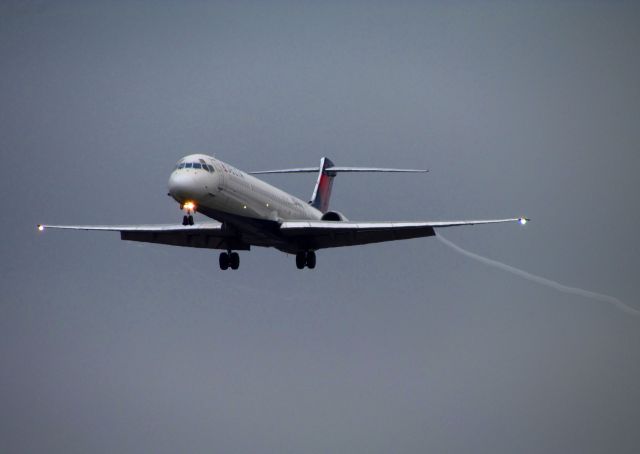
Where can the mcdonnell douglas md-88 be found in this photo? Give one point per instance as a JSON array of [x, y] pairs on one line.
[[251, 212]]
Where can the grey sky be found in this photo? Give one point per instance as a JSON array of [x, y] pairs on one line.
[[516, 107]]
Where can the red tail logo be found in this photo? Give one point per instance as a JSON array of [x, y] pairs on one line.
[[322, 191]]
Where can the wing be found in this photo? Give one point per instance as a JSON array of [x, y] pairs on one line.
[[208, 235], [326, 234]]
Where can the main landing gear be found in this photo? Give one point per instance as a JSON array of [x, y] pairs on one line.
[[306, 258], [229, 259]]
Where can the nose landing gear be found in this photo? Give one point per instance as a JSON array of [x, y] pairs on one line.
[[306, 258], [189, 208], [229, 259]]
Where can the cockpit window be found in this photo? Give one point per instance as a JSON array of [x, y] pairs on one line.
[[195, 165]]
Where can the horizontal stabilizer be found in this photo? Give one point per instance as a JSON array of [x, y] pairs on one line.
[[336, 169], [298, 170], [373, 169], [327, 171]]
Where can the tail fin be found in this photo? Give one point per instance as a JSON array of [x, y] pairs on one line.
[[326, 173], [322, 191]]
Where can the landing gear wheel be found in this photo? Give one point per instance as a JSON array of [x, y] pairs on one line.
[[311, 260], [185, 220], [301, 260], [234, 260], [224, 261], [190, 219]]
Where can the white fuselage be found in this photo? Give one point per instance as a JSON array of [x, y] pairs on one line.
[[217, 187]]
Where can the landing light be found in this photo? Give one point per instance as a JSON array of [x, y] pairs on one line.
[[41, 228], [523, 221], [189, 206]]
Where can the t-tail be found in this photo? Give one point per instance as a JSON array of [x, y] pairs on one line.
[[322, 191], [326, 173]]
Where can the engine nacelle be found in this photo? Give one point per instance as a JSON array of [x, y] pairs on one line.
[[334, 216]]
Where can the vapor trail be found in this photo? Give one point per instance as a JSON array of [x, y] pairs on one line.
[[541, 280]]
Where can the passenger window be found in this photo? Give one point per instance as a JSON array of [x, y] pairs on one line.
[[196, 165], [188, 165]]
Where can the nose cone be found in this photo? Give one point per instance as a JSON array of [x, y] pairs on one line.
[[185, 186]]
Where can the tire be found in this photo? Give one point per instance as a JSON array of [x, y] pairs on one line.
[[311, 260], [301, 260], [234, 260], [190, 220], [224, 261], [185, 221]]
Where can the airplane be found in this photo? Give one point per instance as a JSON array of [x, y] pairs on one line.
[[250, 212]]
